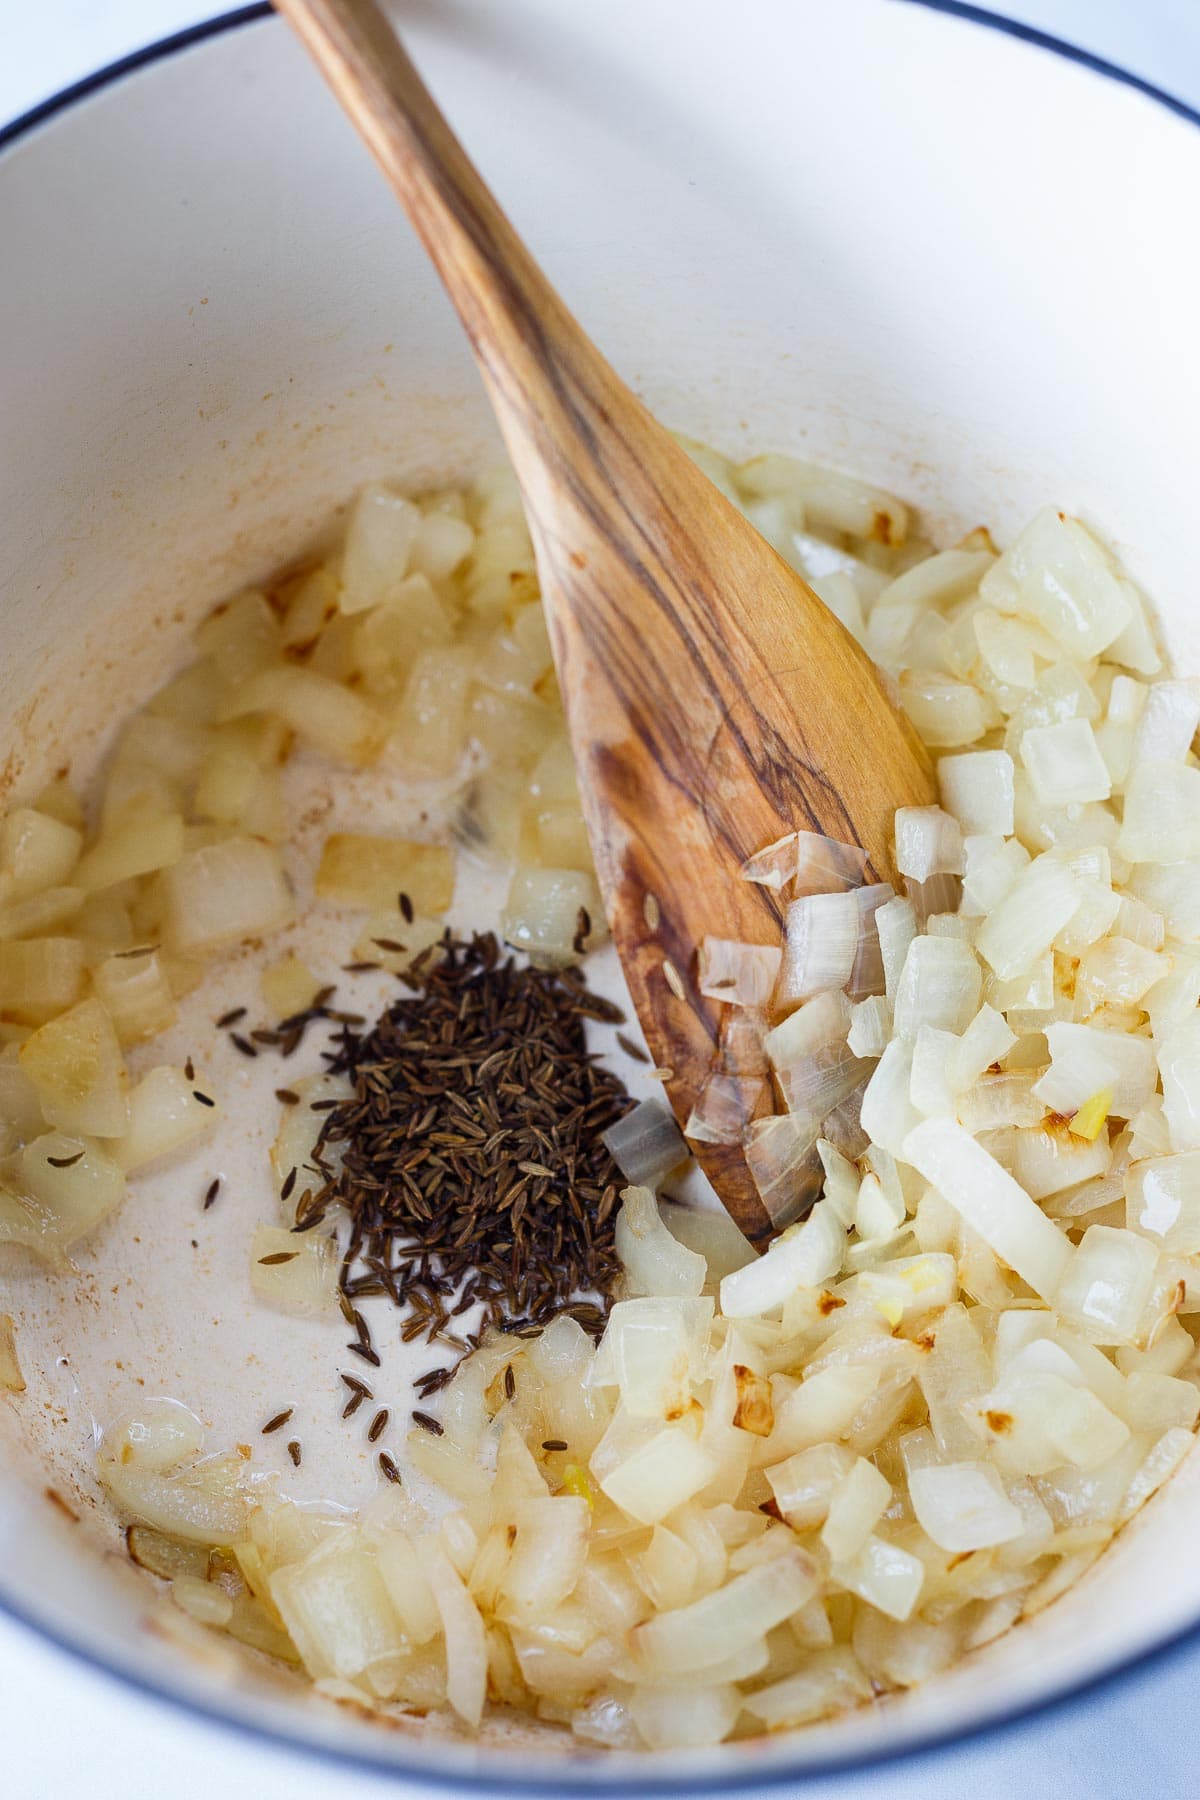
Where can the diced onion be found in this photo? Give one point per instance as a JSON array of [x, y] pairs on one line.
[[738, 974], [990, 1201], [646, 1144]]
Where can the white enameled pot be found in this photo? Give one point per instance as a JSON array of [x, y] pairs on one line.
[[891, 236]]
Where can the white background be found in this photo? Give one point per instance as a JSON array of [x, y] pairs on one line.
[[65, 1730]]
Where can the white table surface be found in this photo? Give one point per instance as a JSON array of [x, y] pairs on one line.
[[66, 1730]]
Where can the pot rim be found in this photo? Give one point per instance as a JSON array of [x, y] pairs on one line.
[[568, 1782]]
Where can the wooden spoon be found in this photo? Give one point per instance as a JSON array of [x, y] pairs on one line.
[[714, 702]]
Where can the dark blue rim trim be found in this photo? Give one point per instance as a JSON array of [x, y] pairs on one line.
[[523, 1780], [1045, 40], [156, 52]]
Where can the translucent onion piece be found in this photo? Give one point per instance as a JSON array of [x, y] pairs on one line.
[[1065, 764], [780, 1154], [739, 974], [867, 975], [646, 1144], [1179, 1064], [1025, 923], [160, 1436], [695, 1637], [357, 870], [76, 1066], [1083, 1060], [1056, 574], [1161, 820], [225, 892], [813, 1085], [928, 842], [724, 1108], [883, 1575], [977, 788], [654, 1261], [820, 947], [805, 1256], [963, 1507], [1163, 1201], [55, 1190], [1108, 1284], [939, 986], [306, 1281], [991, 1202], [939, 895]]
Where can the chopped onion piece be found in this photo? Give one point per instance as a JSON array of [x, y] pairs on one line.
[[687, 1718], [711, 1234], [646, 1144], [870, 1026], [1025, 923], [1167, 723], [928, 842], [939, 986], [303, 1279], [1056, 574], [1179, 1064], [739, 974], [857, 1504], [380, 538], [977, 789], [888, 1114], [985, 1041], [1161, 820], [1065, 764], [895, 927], [831, 1681], [56, 1189], [1048, 1159], [818, 1024], [202, 1504], [160, 1436], [963, 1507], [164, 1115], [36, 852], [1084, 1059], [658, 1474], [724, 1108], [709, 1631], [947, 713], [805, 1256], [542, 914], [1108, 1284], [992, 865], [883, 1575], [356, 870], [1162, 1201], [820, 947], [76, 1066], [321, 712], [991, 1202], [223, 893], [780, 1154], [813, 1085], [654, 1261]]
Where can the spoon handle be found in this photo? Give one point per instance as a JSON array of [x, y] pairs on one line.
[[530, 349]]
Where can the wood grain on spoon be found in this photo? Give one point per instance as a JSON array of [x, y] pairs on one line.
[[714, 703]]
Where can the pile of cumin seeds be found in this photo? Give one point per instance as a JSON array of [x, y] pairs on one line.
[[469, 1159]]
